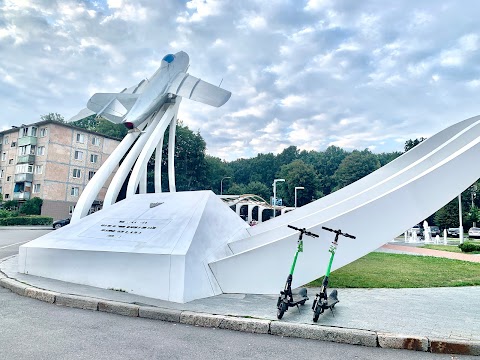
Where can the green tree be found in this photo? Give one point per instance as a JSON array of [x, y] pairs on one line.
[[53, 117], [385, 158], [326, 165], [217, 169], [410, 144], [32, 206], [102, 126], [260, 189], [355, 166], [297, 173], [447, 216], [237, 189]]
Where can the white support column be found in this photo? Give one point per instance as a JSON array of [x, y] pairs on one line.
[[250, 210], [158, 166], [143, 182], [96, 183], [171, 154], [149, 147], [127, 164], [238, 206]]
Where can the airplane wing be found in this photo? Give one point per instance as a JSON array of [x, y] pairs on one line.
[[112, 106], [190, 87]]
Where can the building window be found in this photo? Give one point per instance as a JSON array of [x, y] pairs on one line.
[[10, 161], [13, 144], [71, 208], [41, 150], [9, 178], [74, 191], [32, 149], [39, 169], [34, 131], [24, 168], [5, 140], [95, 141], [36, 188], [22, 150], [77, 173], [25, 132], [93, 158], [80, 138], [4, 156], [43, 132], [91, 174], [0, 189], [1, 173], [7, 196], [78, 155]]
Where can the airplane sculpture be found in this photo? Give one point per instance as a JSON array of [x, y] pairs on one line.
[[132, 106], [151, 107]]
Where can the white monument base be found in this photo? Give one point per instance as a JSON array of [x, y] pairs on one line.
[[156, 245]]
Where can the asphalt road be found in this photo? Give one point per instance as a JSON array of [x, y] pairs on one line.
[[31, 329], [12, 237]]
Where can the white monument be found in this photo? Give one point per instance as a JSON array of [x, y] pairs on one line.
[[181, 246]]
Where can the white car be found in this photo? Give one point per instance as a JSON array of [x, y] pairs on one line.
[[474, 232]]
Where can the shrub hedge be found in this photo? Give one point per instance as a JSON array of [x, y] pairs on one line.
[[469, 247], [26, 220]]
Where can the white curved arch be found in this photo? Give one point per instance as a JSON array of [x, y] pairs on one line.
[[124, 169], [404, 193], [149, 147]]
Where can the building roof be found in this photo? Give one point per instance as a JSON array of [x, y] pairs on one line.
[[46, 122]]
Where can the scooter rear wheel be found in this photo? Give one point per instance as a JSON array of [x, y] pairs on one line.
[[281, 310]]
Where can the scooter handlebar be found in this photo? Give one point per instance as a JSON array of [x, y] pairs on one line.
[[303, 231], [339, 232]]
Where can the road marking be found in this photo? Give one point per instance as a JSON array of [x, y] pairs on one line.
[[22, 242]]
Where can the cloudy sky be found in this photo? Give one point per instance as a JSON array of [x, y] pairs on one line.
[[312, 73]]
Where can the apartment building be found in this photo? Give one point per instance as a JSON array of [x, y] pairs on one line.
[[53, 161]]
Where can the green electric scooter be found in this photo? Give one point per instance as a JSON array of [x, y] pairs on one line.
[[286, 298], [323, 302]]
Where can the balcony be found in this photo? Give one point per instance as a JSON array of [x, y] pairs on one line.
[[21, 196], [27, 140], [26, 159], [23, 177]]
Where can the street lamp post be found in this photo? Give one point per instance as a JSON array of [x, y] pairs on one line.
[[460, 230], [221, 183], [297, 188], [275, 195]]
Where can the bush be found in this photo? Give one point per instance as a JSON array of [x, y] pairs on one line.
[[26, 220], [32, 206], [10, 205], [469, 247]]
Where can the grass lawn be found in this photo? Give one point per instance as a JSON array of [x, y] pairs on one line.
[[383, 270]]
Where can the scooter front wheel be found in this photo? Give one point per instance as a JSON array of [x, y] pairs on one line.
[[281, 310]]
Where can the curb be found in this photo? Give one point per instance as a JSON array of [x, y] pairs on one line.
[[252, 325]]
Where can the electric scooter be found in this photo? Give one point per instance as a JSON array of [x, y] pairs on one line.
[[323, 302], [286, 298]]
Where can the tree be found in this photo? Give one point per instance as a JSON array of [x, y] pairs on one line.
[[355, 166], [327, 163], [53, 117], [410, 144], [260, 189], [236, 189], [102, 126], [297, 173], [385, 158], [217, 169], [447, 216]]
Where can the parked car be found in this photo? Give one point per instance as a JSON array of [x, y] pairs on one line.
[[434, 231], [453, 232], [474, 232], [59, 223]]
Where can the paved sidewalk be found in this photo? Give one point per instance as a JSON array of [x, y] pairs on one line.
[[429, 252], [433, 320]]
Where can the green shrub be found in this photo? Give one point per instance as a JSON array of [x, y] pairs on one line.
[[7, 213], [26, 220], [469, 247], [10, 205], [32, 206]]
